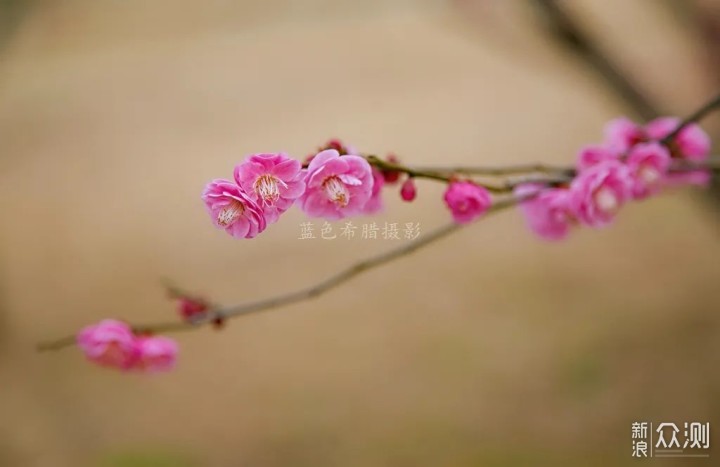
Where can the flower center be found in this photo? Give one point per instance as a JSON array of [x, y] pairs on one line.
[[606, 200], [649, 175], [268, 189], [558, 216], [230, 213], [336, 191], [636, 138]]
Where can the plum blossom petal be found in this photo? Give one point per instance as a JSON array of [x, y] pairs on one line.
[[233, 210], [109, 343], [375, 203], [622, 133], [692, 142], [336, 186], [594, 154], [597, 193], [648, 164], [546, 210], [466, 200], [156, 354], [272, 180]]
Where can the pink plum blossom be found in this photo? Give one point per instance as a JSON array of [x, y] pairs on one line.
[[408, 192], [622, 133], [597, 193], [648, 164], [273, 181], [692, 142], [233, 210], [700, 178], [594, 154], [336, 187], [546, 210], [108, 343], [155, 354], [466, 201], [375, 204]]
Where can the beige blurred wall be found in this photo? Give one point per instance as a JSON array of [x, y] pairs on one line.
[[490, 348]]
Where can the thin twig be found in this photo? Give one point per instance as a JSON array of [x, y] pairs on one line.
[[223, 313], [442, 175], [502, 170], [301, 295], [694, 117]]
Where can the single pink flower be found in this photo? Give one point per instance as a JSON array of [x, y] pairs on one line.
[[622, 133], [273, 181], [336, 187], [233, 210], [108, 343], [597, 193], [408, 192], [594, 154], [546, 210], [692, 142], [466, 201], [648, 164], [155, 354], [375, 203]]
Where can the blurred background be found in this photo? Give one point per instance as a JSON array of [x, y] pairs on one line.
[[490, 348]]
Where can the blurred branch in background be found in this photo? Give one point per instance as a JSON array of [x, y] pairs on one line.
[[570, 34], [705, 18], [314, 291], [11, 14]]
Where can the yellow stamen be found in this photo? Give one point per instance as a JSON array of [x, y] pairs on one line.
[[230, 214], [336, 191], [267, 188]]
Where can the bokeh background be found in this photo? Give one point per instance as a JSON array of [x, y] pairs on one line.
[[490, 348]]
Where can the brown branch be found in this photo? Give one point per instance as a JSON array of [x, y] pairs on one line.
[[442, 175], [299, 295], [562, 175], [699, 114], [503, 170]]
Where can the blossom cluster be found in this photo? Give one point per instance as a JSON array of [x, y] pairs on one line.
[[333, 184], [111, 343], [633, 163]]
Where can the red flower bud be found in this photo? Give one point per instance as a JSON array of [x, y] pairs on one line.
[[408, 191], [190, 308], [392, 176]]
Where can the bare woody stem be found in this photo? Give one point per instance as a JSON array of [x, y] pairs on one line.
[[297, 296], [431, 174], [505, 170], [698, 115], [551, 172], [517, 175]]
